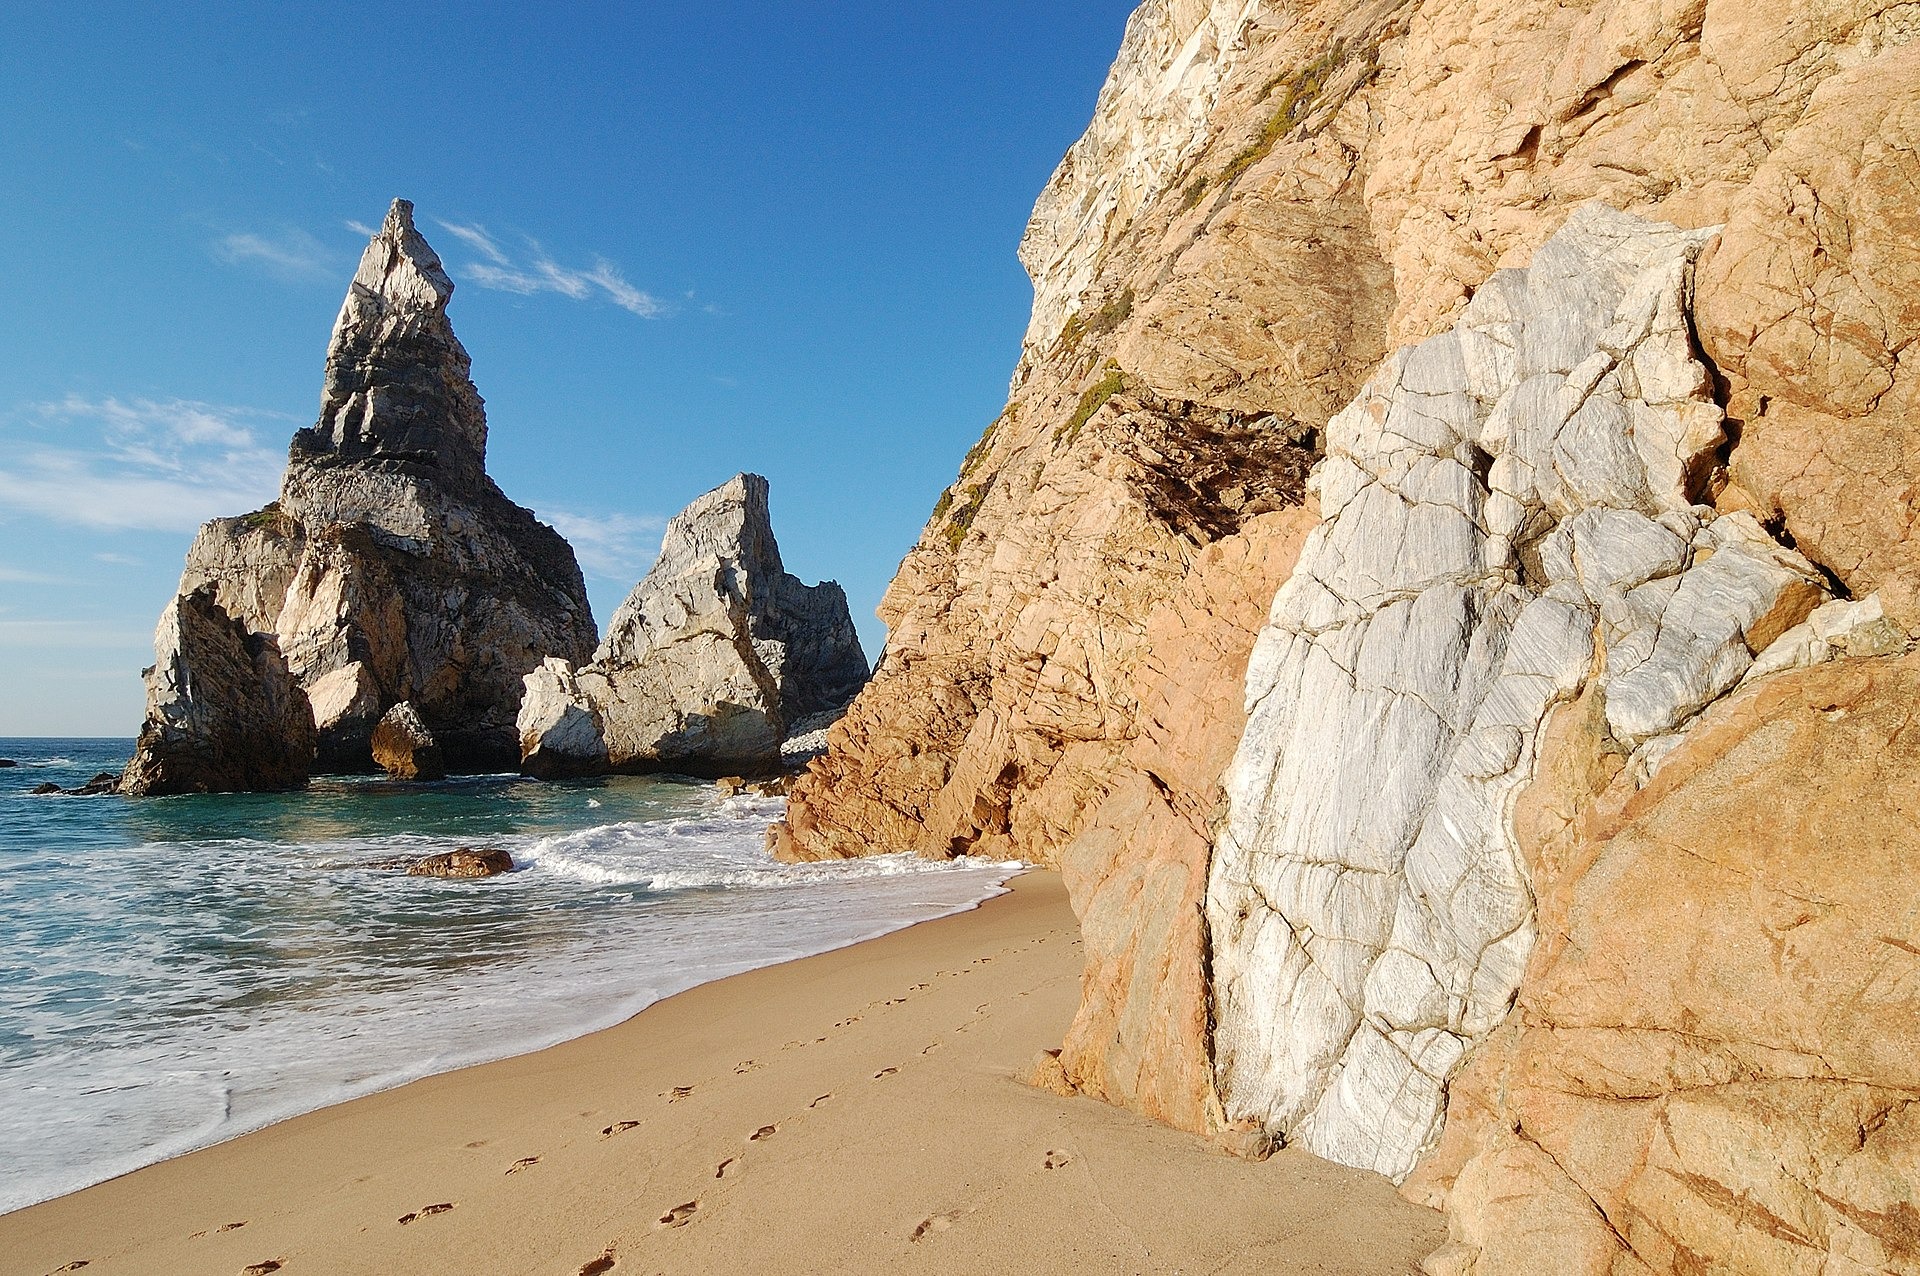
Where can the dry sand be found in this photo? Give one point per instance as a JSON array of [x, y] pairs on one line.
[[853, 1112]]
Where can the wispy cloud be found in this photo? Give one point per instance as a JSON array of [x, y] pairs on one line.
[[287, 254], [531, 269], [136, 464], [14, 576], [361, 228], [68, 635], [612, 546]]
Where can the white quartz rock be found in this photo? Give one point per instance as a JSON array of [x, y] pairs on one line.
[[1506, 515]]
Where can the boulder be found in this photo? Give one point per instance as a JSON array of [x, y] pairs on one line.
[[224, 714], [7, 762], [708, 663], [43, 789], [391, 569], [465, 862], [404, 747]]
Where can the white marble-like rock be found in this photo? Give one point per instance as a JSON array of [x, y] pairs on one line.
[[1506, 510]]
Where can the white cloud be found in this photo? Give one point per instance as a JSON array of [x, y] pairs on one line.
[[290, 254], [612, 546], [137, 463], [537, 271], [118, 560], [361, 228], [14, 576]]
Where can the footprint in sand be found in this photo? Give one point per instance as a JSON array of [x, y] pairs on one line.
[[78, 1263], [749, 1066], [885, 1072], [425, 1211], [720, 1170], [480, 1143], [522, 1164], [618, 1127], [231, 1227], [938, 1223], [261, 1269], [1058, 1160], [679, 1092], [764, 1132], [920, 987], [604, 1263], [930, 1049], [848, 1022], [679, 1215], [822, 1099]]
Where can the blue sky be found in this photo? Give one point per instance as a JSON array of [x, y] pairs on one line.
[[688, 240]]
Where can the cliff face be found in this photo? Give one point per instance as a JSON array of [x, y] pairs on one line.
[[1594, 319], [392, 570], [710, 663]]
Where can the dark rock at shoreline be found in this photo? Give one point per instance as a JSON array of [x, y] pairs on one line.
[[6, 762], [467, 861], [42, 790], [224, 715]]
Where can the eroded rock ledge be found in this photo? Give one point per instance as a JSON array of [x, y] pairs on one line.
[[714, 659]]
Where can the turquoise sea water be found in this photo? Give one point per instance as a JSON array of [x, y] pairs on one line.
[[179, 970]]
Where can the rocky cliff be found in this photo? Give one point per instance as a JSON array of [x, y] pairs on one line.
[[714, 659], [392, 570], [1591, 321]]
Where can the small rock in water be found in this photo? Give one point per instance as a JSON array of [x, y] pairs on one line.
[[41, 790], [730, 785], [105, 782], [486, 861], [778, 786], [8, 762], [405, 748]]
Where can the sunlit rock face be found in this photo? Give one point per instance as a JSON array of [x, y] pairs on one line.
[[714, 659], [1507, 512], [392, 569]]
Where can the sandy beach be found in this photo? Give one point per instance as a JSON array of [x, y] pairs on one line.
[[855, 1112]]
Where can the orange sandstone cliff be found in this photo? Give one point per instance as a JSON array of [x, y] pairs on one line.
[[1441, 591]]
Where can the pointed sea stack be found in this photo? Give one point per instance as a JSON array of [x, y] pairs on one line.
[[392, 570], [714, 660]]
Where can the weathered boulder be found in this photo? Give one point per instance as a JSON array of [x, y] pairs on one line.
[[392, 569], [709, 661], [7, 762], [467, 861], [404, 748], [223, 712]]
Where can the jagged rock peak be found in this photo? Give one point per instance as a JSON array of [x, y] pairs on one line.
[[397, 383], [714, 659]]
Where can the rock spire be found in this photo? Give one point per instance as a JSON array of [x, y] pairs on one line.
[[391, 569]]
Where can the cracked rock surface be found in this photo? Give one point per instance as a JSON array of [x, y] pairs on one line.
[[710, 662], [392, 569], [1506, 512]]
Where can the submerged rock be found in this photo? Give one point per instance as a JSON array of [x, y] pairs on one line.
[[391, 569], [404, 747], [7, 762], [224, 715], [711, 660], [467, 861]]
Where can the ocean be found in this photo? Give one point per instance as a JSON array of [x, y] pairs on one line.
[[176, 971]]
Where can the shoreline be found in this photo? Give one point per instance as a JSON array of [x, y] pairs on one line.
[[859, 1106]]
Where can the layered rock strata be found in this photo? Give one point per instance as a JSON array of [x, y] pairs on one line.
[[392, 569], [224, 715], [714, 659]]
